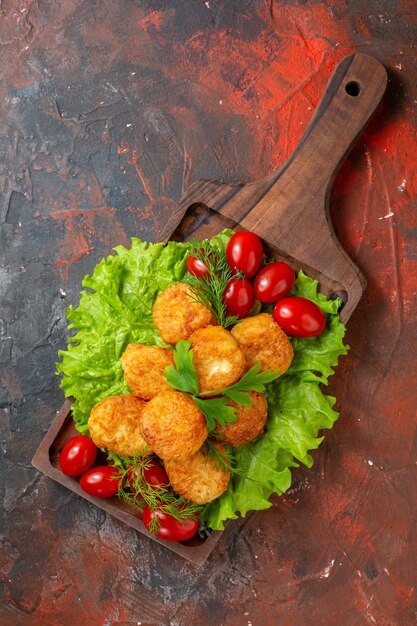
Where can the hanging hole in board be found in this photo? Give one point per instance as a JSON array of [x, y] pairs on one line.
[[353, 88]]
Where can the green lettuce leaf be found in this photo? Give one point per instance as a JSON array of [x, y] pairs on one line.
[[116, 309], [297, 411]]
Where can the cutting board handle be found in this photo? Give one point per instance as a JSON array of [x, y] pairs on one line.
[[351, 96], [303, 182], [289, 208]]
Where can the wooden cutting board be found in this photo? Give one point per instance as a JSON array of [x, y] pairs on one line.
[[289, 210]]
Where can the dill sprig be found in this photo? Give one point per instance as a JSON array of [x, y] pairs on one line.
[[136, 491], [220, 454], [223, 455], [208, 290]]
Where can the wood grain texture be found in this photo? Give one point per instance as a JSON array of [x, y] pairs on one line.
[[46, 459], [109, 112], [289, 209]]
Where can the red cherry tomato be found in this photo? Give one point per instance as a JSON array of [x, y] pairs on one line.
[[101, 481], [77, 456], [238, 297], [244, 252], [169, 527], [197, 267], [154, 474], [273, 282], [299, 317]]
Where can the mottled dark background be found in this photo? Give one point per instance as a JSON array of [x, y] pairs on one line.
[[109, 109]]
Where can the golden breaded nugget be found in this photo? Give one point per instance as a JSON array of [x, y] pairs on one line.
[[144, 368], [176, 316], [197, 478], [250, 423], [114, 424], [263, 341], [173, 425], [218, 359]]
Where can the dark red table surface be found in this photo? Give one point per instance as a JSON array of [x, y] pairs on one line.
[[109, 110]]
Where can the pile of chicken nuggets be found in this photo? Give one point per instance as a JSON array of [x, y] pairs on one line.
[[156, 419]]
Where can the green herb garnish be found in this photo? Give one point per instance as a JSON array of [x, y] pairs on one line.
[[253, 380], [208, 290], [221, 456], [115, 310], [183, 377], [135, 490], [216, 411]]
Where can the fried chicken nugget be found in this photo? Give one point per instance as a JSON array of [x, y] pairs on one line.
[[218, 359], [173, 425], [144, 368], [197, 478], [114, 424], [263, 341], [176, 315], [250, 421]]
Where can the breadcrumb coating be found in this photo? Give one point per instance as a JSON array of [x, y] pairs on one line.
[[197, 478], [173, 425], [263, 341], [176, 315], [218, 359], [114, 423], [144, 369], [250, 421]]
